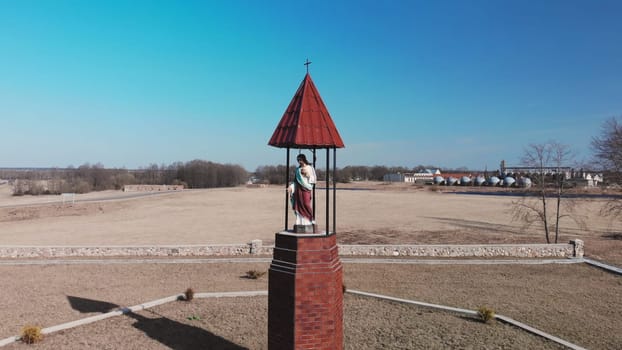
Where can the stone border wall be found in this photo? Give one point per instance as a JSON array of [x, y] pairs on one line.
[[125, 251], [152, 188], [574, 249]]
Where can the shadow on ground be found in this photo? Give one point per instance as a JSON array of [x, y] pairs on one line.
[[614, 236], [380, 236], [88, 305], [171, 333], [480, 226]]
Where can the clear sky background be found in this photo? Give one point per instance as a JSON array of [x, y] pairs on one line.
[[449, 83]]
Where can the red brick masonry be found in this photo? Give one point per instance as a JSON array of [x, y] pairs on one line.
[[305, 293]]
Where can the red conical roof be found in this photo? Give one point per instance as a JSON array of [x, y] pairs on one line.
[[306, 123]]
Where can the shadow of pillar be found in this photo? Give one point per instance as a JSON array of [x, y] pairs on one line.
[[171, 333], [180, 336]]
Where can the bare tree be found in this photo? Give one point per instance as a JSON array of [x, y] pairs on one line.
[[544, 204], [608, 156]]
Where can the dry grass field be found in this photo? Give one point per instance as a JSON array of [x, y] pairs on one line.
[[367, 214], [575, 302]]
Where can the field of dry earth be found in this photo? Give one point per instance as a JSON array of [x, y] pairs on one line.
[[573, 301], [366, 214]]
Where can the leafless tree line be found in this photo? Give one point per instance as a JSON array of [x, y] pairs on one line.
[[193, 174], [87, 177], [272, 174]]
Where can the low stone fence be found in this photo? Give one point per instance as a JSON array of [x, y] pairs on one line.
[[131, 251], [152, 188], [574, 249]]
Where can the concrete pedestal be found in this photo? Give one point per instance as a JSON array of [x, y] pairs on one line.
[[305, 293]]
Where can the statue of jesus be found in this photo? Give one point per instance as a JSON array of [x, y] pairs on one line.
[[301, 191]]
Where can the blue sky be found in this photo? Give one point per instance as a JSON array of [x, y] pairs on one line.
[[449, 83]]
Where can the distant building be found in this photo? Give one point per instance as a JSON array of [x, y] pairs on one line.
[[399, 177], [580, 178], [586, 179], [595, 179], [426, 176], [520, 175]]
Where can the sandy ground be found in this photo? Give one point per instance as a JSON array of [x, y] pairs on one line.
[[378, 214], [575, 302]]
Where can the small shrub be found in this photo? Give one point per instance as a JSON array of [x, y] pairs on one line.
[[254, 274], [82, 186], [36, 189], [189, 294], [486, 314], [31, 334], [19, 188]]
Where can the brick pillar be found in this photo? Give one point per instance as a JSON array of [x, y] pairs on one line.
[[305, 293]]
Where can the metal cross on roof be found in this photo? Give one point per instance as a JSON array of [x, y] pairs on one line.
[[307, 63]]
